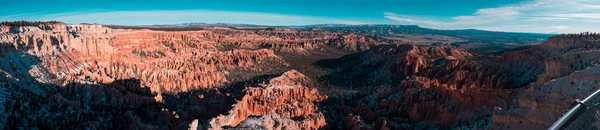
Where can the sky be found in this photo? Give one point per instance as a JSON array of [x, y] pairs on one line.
[[541, 16]]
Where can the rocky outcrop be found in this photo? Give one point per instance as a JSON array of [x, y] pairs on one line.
[[284, 100], [435, 85], [94, 67], [385, 64], [92, 54], [213, 78], [274, 122], [166, 61], [444, 76], [418, 100], [566, 66]]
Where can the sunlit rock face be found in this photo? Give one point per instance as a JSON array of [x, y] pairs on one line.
[[283, 103], [224, 78], [79, 66], [165, 61]]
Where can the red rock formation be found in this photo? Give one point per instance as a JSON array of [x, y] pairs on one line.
[[419, 100], [445, 76], [437, 85], [137, 67], [399, 84], [165, 61], [284, 97], [569, 64], [409, 59]]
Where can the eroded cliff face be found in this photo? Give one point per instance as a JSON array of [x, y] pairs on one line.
[[509, 86], [283, 103], [436, 86], [62, 48], [145, 68], [166, 61], [566, 69], [423, 100], [221, 78]]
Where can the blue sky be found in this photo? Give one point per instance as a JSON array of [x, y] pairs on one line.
[[545, 16]]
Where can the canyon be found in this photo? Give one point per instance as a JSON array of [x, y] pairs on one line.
[[75, 76]]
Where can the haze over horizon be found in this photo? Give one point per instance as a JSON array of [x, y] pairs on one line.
[[541, 16]]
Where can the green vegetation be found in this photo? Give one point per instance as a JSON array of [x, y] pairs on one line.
[[146, 54], [583, 35], [27, 23]]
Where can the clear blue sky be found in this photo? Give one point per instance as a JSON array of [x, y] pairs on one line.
[[501, 15]]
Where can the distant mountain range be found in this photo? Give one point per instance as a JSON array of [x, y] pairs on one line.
[[472, 39], [472, 35], [240, 25]]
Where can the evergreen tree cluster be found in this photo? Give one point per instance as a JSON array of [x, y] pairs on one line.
[[27, 23], [583, 35]]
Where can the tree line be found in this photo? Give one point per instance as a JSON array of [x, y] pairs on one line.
[[27, 23], [586, 35]]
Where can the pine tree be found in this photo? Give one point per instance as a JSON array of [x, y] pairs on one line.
[[27, 23]]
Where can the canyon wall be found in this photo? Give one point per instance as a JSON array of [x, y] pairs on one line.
[[284, 100], [224, 78], [165, 61]]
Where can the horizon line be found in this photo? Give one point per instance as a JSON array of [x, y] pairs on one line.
[[258, 25]]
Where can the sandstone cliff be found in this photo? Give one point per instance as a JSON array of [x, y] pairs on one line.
[[283, 101], [57, 75], [165, 61]]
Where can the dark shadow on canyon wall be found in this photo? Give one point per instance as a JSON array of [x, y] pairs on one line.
[[353, 72], [122, 104], [206, 104]]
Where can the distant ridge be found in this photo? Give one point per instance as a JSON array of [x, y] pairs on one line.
[[379, 30], [241, 25]]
